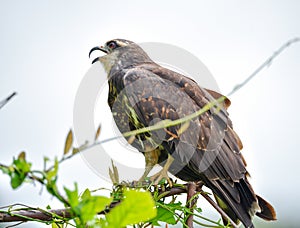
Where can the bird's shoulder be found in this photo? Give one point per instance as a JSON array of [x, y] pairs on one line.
[[201, 95]]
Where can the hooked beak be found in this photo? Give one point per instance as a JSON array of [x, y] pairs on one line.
[[101, 48]]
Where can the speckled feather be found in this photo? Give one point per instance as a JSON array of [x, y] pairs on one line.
[[143, 93]]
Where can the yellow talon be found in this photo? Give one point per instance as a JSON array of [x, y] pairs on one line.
[[156, 178]]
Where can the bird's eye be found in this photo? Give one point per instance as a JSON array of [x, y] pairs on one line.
[[112, 45]]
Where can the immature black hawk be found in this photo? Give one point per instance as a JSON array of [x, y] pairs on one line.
[[206, 148]]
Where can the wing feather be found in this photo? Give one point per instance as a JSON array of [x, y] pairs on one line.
[[208, 150]]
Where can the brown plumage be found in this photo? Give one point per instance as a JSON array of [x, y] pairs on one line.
[[141, 93]]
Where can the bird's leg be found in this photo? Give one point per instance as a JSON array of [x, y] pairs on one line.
[[156, 178], [151, 159]]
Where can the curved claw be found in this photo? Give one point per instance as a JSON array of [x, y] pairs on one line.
[[156, 178], [163, 173]]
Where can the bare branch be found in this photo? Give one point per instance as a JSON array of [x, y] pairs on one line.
[[6, 100], [26, 215], [267, 63], [191, 202], [36, 214]]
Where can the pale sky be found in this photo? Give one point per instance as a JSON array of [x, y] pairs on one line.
[[44, 56]]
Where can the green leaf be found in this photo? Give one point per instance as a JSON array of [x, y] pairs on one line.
[[18, 171], [164, 215], [101, 222], [69, 142], [98, 132], [137, 206], [175, 206], [88, 207], [166, 212], [22, 156], [21, 164], [50, 175], [72, 196], [16, 180], [91, 206], [198, 209], [86, 194]]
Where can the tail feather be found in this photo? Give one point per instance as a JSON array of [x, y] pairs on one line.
[[244, 207], [238, 208], [227, 210], [267, 211]]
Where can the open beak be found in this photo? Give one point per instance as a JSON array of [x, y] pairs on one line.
[[101, 48]]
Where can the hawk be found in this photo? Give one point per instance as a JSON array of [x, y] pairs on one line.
[[206, 148]]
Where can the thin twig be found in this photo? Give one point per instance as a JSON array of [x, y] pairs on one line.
[[267, 63], [6, 100], [14, 225]]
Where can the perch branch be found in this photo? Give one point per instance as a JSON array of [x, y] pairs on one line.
[[191, 202], [28, 214]]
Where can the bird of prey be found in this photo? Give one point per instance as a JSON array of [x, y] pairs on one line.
[[206, 148]]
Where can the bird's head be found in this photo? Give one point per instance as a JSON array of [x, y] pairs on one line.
[[120, 54]]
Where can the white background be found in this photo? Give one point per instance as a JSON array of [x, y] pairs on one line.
[[44, 55]]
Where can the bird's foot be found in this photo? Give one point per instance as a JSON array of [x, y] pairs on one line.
[[158, 177]]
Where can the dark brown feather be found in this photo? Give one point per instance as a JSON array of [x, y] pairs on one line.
[[267, 211], [209, 149]]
